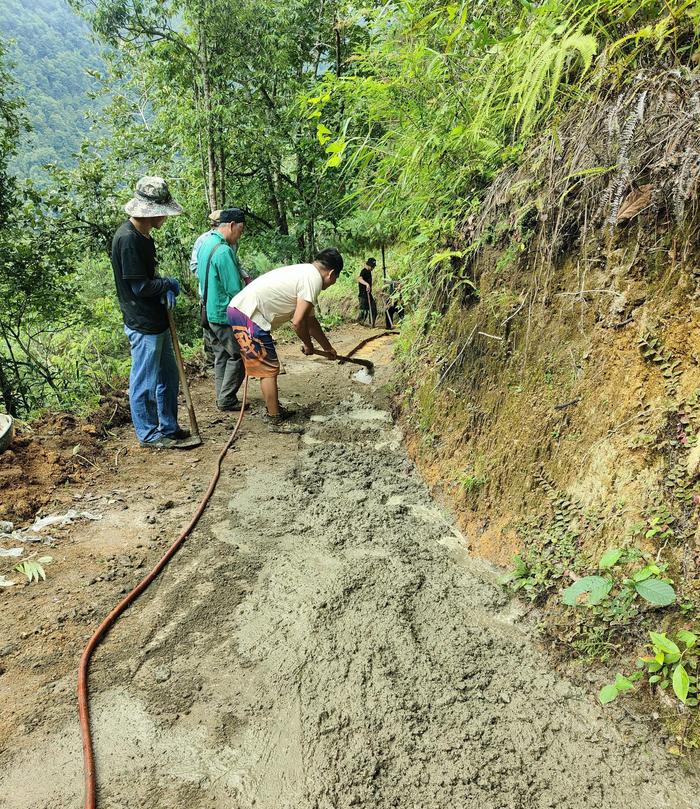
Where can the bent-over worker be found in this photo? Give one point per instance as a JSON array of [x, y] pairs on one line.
[[287, 293]]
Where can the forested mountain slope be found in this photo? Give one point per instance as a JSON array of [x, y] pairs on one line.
[[52, 50]]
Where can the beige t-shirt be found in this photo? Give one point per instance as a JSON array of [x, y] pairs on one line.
[[271, 299]]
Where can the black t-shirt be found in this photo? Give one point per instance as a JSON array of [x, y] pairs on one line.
[[366, 275], [134, 259]]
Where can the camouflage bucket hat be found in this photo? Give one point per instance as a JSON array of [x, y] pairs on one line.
[[152, 198]]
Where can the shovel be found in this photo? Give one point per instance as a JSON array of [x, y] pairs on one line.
[[195, 439], [364, 375]]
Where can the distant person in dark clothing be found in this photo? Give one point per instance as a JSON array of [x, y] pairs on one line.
[[368, 306], [394, 307], [144, 298]]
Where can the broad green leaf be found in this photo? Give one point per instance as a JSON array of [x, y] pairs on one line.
[[656, 592], [599, 592], [689, 638], [607, 694], [661, 642], [645, 572], [337, 147], [595, 586], [680, 683], [609, 559], [623, 683], [323, 133]]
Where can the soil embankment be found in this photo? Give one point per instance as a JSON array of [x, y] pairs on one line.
[[322, 640]]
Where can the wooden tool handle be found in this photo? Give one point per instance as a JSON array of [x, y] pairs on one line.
[[341, 359], [194, 427]]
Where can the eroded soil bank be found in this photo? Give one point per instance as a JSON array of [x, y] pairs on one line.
[[324, 640]]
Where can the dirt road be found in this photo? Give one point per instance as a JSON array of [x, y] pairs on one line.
[[322, 641]]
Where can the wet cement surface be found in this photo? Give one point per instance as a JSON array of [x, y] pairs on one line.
[[324, 642]]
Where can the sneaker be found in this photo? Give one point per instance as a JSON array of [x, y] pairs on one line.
[[180, 434], [163, 443], [278, 423], [234, 408], [283, 415]]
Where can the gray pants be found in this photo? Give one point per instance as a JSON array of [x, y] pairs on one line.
[[228, 365], [208, 349]]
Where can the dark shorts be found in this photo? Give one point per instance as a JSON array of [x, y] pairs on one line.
[[257, 346]]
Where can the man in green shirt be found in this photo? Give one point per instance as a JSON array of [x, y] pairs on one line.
[[220, 278]]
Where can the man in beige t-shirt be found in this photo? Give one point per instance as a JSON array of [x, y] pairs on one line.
[[281, 295]]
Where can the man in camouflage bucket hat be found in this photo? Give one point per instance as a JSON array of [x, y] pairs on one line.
[[144, 298]]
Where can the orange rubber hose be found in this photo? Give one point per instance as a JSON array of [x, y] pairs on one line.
[[101, 631]]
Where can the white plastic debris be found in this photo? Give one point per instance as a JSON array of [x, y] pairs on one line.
[[62, 519]]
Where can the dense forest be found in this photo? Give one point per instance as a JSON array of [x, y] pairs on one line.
[[54, 60], [533, 169], [359, 125]]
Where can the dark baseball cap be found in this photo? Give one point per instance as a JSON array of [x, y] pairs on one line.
[[231, 215]]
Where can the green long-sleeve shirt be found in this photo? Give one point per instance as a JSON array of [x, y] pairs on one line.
[[224, 276]]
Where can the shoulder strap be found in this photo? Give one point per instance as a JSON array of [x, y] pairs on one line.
[[238, 265], [206, 273]]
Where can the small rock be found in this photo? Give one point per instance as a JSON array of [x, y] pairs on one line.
[[164, 507], [150, 519], [162, 673], [6, 527]]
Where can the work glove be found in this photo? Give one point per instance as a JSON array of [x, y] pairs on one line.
[[174, 284], [170, 299]]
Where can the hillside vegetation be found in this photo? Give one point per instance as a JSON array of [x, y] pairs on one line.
[[52, 53], [533, 171]]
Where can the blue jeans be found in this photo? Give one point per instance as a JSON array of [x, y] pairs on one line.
[[153, 384]]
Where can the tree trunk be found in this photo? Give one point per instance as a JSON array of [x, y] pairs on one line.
[[212, 189], [197, 96], [281, 206], [336, 32], [276, 199], [223, 191], [311, 236]]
